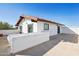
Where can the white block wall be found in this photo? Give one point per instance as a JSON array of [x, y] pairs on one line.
[[70, 30], [7, 32], [20, 42]]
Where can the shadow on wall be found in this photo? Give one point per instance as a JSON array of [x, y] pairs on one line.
[[40, 49], [70, 35]]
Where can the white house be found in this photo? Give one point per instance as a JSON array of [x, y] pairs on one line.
[[30, 24]]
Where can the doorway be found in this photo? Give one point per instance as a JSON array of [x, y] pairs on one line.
[[58, 29]]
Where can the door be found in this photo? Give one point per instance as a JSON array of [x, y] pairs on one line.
[[58, 31], [30, 28]]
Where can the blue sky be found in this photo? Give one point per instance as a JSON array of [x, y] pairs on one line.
[[67, 14]]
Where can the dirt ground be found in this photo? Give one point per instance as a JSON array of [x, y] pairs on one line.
[[4, 46]]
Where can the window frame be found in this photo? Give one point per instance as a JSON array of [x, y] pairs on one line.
[[46, 24], [31, 28]]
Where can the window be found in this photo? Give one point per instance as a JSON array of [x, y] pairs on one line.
[[30, 28], [46, 26]]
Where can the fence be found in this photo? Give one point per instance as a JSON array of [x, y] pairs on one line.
[[70, 30], [7, 32], [20, 42]]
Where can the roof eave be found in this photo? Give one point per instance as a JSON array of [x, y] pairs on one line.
[[18, 22]]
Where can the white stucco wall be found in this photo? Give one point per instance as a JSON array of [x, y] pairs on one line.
[[61, 29], [24, 24], [52, 27], [39, 26]]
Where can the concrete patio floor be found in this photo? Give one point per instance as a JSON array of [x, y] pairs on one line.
[[64, 49]]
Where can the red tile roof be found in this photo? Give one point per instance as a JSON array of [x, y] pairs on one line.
[[35, 19]]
